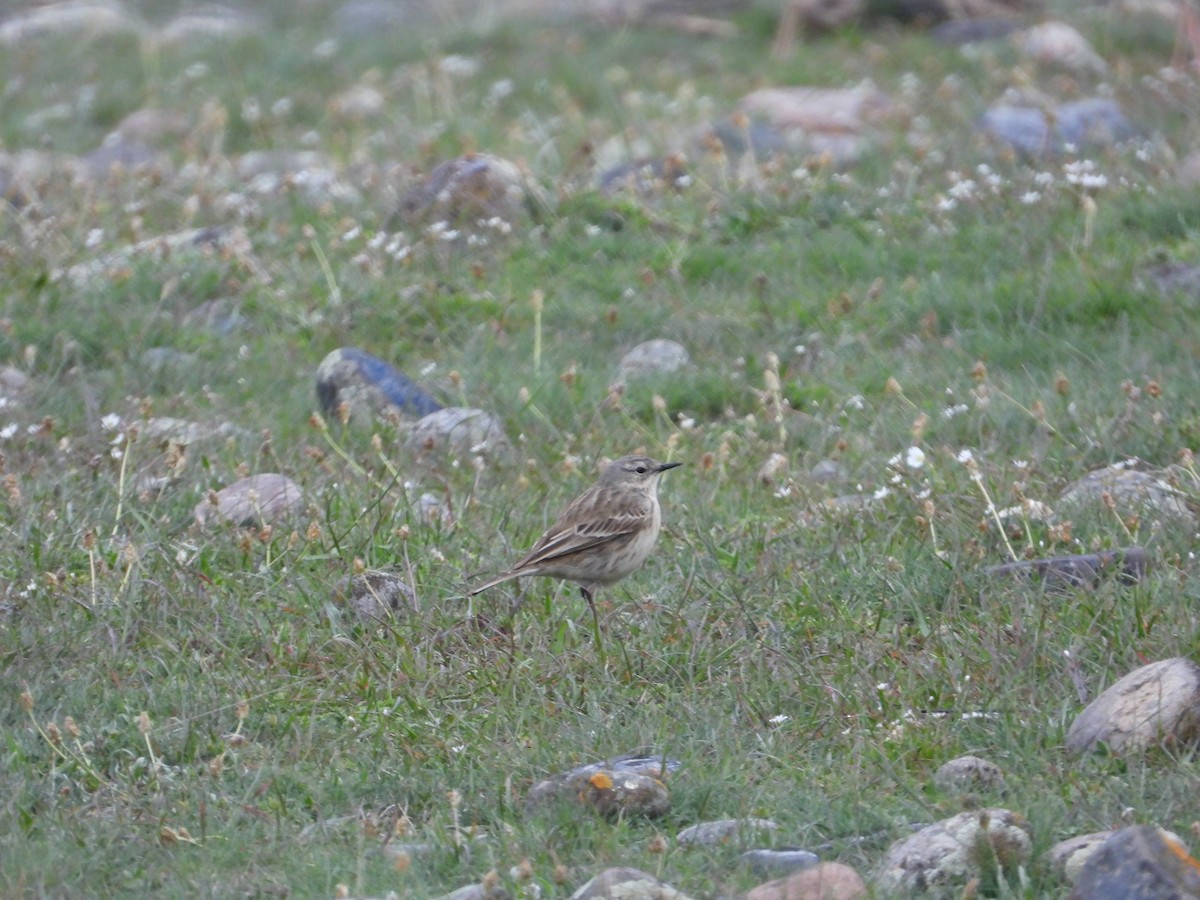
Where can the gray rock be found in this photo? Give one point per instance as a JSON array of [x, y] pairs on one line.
[[825, 881], [969, 773], [221, 316], [656, 357], [209, 21], [369, 387], [828, 471], [14, 384], [364, 18], [1132, 492], [1080, 570], [489, 889], [1067, 857], [1158, 703], [376, 595], [941, 858], [257, 500], [1057, 43], [725, 831], [123, 154], [459, 433], [85, 17], [1172, 278], [1138, 863], [1034, 132], [780, 860], [627, 884], [467, 190]]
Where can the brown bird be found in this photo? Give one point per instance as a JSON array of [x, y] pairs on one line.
[[606, 533]]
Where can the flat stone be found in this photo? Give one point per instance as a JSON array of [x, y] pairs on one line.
[[825, 881], [257, 500], [725, 831], [780, 860], [1080, 570], [1154, 704], [1138, 863], [941, 858]]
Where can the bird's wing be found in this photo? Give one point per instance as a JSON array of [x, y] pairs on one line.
[[560, 542]]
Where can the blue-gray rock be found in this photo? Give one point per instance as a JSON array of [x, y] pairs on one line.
[[369, 387], [780, 860], [1033, 132]]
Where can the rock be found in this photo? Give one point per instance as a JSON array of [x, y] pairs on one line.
[[469, 190], [625, 785], [1035, 132], [1138, 863], [1057, 43], [369, 387], [943, 857], [257, 500], [646, 176], [774, 467], [1083, 570], [358, 103], [1154, 704], [209, 21], [626, 884], [1067, 857], [832, 123], [724, 831], [220, 316], [1132, 492], [123, 154], [656, 357], [14, 384], [973, 31], [149, 125], [969, 773], [232, 242], [828, 471], [1172, 278], [489, 889], [311, 175], [162, 430], [825, 881], [459, 432], [364, 18], [89, 17], [375, 595], [780, 860]]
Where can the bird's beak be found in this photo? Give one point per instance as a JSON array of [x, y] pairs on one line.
[[662, 467]]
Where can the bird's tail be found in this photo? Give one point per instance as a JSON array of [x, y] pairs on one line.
[[499, 579]]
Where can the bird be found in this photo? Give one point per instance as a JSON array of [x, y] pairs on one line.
[[605, 534]]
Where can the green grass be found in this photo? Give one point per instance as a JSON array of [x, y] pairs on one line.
[[812, 668]]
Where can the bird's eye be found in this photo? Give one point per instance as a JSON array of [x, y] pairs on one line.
[[641, 470]]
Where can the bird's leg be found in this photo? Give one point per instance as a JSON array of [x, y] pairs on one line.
[[587, 595]]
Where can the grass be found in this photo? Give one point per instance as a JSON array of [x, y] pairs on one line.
[[189, 712]]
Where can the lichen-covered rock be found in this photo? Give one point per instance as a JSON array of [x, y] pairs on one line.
[[1138, 863], [941, 858], [1158, 703], [969, 773], [258, 500], [1131, 492]]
